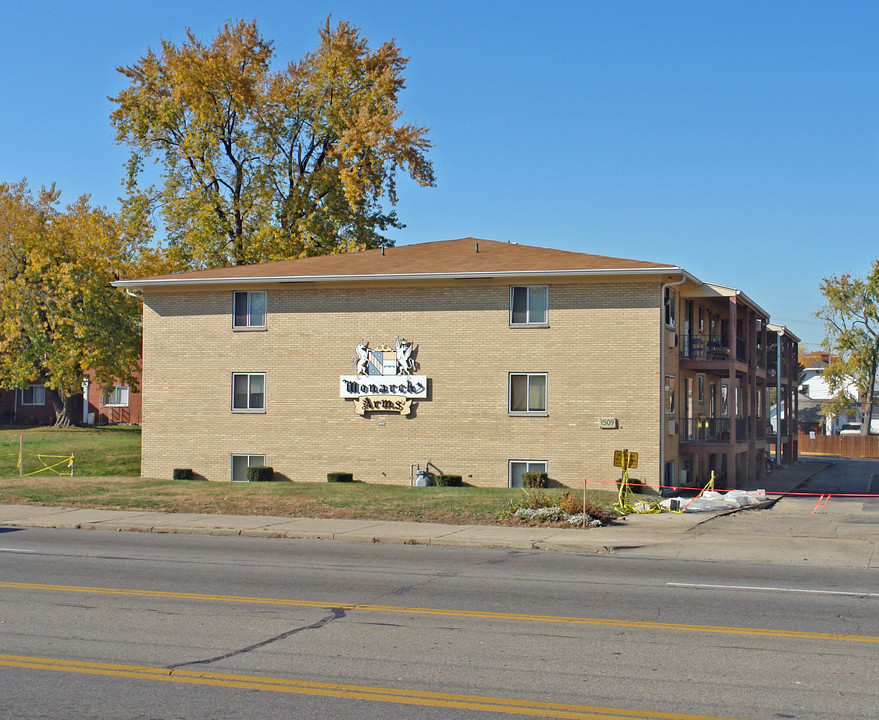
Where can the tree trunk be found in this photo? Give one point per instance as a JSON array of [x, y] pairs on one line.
[[871, 388], [63, 406]]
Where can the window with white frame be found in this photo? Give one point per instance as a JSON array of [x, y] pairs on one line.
[[671, 307], [529, 304], [33, 394], [670, 382], [527, 393], [249, 392], [240, 463], [117, 397], [250, 309], [519, 467]]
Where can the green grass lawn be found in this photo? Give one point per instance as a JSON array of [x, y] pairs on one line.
[[107, 469], [106, 451]]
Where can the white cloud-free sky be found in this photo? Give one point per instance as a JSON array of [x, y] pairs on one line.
[[739, 140]]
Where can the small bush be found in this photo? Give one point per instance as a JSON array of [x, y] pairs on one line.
[[570, 504], [535, 479], [340, 477], [636, 486], [181, 473], [534, 505], [260, 473], [533, 498], [447, 480]]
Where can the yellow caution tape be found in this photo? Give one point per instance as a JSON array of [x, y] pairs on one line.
[[65, 460]]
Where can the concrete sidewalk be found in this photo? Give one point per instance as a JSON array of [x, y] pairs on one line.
[[784, 530]]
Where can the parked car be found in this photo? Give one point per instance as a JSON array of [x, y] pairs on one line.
[[850, 429]]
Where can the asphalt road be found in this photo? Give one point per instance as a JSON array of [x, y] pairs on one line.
[[845, 476], [98, 624]]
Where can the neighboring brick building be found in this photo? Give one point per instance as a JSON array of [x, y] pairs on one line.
[[483, 358], [118, 405], [28, 406]]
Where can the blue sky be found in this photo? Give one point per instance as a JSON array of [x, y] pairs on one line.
[[739, 140]]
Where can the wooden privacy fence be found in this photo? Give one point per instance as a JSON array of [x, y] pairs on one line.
[[853, 446]]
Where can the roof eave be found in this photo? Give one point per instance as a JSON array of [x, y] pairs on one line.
[[727, 291], [186, 281]]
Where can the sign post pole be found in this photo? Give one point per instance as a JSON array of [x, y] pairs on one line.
[[584, 502]]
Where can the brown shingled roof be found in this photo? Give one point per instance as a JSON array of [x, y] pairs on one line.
[[465, 256]]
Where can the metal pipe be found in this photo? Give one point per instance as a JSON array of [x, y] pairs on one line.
[[778, 399]]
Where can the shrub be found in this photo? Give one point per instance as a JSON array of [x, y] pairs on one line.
[[636, 486], [340, 477], [533, 498], [534, 505], [181, 473], [570, 504], [447, 480], [534, 479], [260, 473]]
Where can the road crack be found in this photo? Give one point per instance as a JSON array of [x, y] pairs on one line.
[[336, 614]]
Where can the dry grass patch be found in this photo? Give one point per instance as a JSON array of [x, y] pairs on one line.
[[465, 505]]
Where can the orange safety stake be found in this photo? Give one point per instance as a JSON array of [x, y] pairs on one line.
[[822, 501]]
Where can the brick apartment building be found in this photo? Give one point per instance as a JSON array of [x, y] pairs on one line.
[[484, 359]]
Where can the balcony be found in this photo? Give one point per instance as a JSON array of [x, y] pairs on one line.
[[711, 349], [704, 347], [786, 367], [712, 429]]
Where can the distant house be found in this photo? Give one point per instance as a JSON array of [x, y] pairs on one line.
[[116, 405], [815, 390], [31, 405], [808, 414], [98, 405]]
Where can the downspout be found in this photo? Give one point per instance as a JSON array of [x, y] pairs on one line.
[[85, 401], [778, 399], [662, 345]]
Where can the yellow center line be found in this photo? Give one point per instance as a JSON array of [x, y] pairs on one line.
[[340, 690], [518, 617]]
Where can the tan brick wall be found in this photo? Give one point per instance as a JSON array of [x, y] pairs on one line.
[[600, 351]]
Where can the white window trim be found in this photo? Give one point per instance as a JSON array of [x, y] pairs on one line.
[[264, 393], [250, 463], [34, 387], [529, 375], [670, 308], [669, 395], [528, 322], [118, 404], [249, 325], [528, 463]]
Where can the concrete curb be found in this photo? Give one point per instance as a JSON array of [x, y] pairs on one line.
[[628, 534]]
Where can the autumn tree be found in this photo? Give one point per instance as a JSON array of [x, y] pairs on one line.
[[257, 164], [59, 316], [851, 318]]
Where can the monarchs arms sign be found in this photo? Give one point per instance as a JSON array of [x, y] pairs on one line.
[[384, 381]]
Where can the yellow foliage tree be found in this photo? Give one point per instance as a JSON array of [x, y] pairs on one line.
[[851, 319], [261, 165], [59, 316]]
